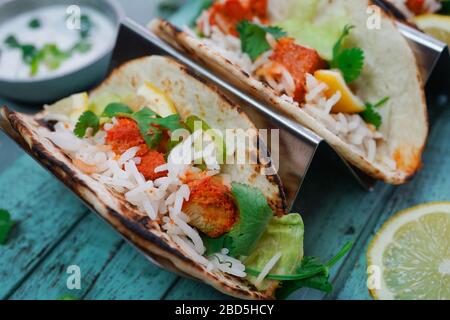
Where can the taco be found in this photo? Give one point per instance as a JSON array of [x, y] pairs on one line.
[[411, 8], [129, 150], [337, 67]]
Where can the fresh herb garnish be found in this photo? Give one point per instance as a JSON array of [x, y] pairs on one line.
[[34, 23], [87, 120], [6, 225], [314, 275], [116, 109], [255, 214], [50, 54], [253, 38], [12, 42], [29, 51], [371, 115], [85, 26], [349, 61], [150, 124]]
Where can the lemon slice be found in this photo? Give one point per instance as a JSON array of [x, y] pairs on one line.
[[349, 103], [435, 25], [72, 107], [157, 100], [411, 255]]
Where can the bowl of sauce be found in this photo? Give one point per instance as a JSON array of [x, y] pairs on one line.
[[50, 49]]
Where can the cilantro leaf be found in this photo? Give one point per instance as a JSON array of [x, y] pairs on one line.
[[52, 56], [150, 125], [87, 120], [255, 214], [349, 61], [171, 123], [151, 134], [253, 38], [370, 115], [275, 31], [214, 245], [116, 109], [11, 41], [337, 48], [86, 26], [6, 225], [34, 23]]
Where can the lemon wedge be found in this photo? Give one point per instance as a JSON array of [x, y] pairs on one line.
[[435, 25], [411, 255], [157, 100], [72, 107], [349, 103]]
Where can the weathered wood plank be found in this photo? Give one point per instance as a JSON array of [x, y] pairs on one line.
[[90, 245], [130, 275], [44, 210], [431, 184]]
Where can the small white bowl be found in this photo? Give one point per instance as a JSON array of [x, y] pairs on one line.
[[52, 88]]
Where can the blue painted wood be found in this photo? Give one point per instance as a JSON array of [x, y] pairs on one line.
[[44, 211], [90, 245], [129, 275], [431, 184]]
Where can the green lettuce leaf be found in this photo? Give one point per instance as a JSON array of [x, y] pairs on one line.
[[285, 235], [304, 25]]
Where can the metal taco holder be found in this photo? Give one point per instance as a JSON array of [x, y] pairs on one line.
[[303, 155]]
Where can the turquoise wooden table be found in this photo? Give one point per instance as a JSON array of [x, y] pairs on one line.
[[55, 230]]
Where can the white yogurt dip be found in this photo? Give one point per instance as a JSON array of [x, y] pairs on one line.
[[53, 29]]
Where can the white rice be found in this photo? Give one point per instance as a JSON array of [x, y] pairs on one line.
[[349, 127], [225, 263]]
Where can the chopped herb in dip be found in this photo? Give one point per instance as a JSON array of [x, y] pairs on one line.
[[34, 23], [38, 42]]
